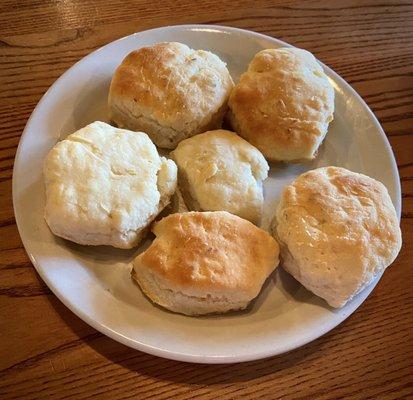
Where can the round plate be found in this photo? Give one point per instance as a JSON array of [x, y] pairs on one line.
[[94, 282]]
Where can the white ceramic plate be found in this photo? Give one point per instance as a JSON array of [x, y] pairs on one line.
[[94, 282]]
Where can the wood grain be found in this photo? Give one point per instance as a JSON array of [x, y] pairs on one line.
[[47, 352]]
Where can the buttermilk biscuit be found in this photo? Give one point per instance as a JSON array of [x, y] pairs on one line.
[[105, 185], [170, 91], [218, 170], [283, 104], [337, 230], [205, 262]]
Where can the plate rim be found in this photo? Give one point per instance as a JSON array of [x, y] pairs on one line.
[[174, 355]]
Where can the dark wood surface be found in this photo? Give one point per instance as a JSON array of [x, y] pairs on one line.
[[46, 352]]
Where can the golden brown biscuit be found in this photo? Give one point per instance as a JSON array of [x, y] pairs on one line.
[[337, 230], [205, 262], [283, 104], [170, 91]]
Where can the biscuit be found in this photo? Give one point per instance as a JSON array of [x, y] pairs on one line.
[[105, 185], [205, 262], [283, 104], [337, 231], [218, 170], [170, 91]]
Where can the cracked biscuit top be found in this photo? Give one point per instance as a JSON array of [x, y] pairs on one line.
[[170, 91], [105, 185], [283, 104], [218, 170]]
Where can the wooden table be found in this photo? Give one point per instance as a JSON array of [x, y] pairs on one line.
[[46, 352]]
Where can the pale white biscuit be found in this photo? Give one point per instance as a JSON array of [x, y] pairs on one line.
[[105, 185], [283, 104], [170, 91], [218, 170], [337, 231], [205, 262]]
